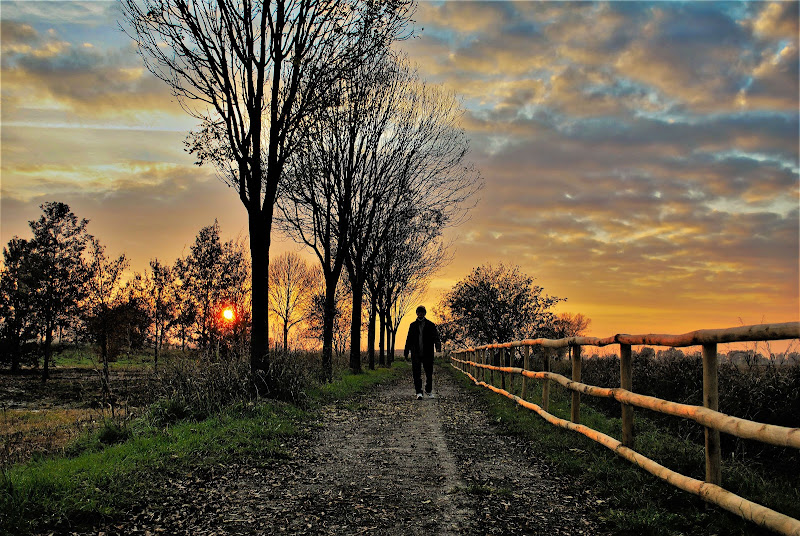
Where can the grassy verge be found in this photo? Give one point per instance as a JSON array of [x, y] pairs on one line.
[[637, 502], [102, 474]]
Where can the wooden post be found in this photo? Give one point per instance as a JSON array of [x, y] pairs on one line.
[[501, 362], [491, 362], [711, 401], [474, 359], [483, 361], [626, 382], [525, 366], [576, 377], [546, 385]]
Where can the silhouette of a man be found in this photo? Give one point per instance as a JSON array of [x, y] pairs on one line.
[[422, 338]]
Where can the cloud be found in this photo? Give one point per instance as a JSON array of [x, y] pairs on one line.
[[777, 20], [86, 83]]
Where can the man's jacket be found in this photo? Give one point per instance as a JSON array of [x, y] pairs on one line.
[[430, 339]]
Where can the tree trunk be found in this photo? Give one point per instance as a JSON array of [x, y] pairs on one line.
[[328, 313], [392, 335], [48, 342], [15, 351], [259, 331], [355, 326], [371, 331], [155, 349], [382, 338], [285, 337]]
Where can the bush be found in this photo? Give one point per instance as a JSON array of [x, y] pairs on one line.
[[113, 432], [768, 394]]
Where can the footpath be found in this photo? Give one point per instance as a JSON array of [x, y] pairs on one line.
[[383, 463]]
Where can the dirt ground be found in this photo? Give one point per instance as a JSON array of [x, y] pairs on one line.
[[382, 463]]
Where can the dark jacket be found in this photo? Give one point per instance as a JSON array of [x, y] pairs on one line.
[[430, 339]]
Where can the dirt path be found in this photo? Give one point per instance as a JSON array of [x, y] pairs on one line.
[[384, 463]]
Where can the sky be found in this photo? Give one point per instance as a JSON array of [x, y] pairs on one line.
[[640, 158]]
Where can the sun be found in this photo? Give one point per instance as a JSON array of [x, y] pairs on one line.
[[227, 314]]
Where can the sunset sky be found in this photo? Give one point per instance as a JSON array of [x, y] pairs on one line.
[[640, 158]]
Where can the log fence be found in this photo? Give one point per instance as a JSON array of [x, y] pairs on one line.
[[475, 362]]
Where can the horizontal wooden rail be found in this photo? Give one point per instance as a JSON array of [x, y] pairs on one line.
[[781, 436], [707, 415], [711, 493], [757, 332]]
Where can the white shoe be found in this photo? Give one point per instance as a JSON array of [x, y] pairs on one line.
[[429, 395], [419, 396]]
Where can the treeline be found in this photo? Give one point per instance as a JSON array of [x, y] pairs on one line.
[[60, 287]]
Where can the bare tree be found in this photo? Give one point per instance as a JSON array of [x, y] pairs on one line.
[[415, 170], [316, 205], [290, 290], [253, 72], [411, 254]]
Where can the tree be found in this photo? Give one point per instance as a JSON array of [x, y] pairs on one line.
[[389, 143], [104, 298], [570, 325], [496, 304], [201, 273], [253, 72], [213, 276], [407, 259], [316, 313], [16, 300], [159, 293], [57, 270], [290, 289]]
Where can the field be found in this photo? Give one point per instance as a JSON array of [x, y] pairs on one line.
[[39, 419]]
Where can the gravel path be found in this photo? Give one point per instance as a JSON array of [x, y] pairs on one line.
[[383, 463]]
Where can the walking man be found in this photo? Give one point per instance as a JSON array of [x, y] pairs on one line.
[[421, 340]]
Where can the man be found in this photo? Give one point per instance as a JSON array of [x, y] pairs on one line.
[[421, 340]]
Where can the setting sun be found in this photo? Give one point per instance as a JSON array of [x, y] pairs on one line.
[[227, 314]]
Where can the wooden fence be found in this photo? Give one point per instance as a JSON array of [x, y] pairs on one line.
[[477, 363]]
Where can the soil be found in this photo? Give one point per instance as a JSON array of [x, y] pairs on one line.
[[381, 463]]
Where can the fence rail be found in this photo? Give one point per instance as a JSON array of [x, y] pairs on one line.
[[478, 362]]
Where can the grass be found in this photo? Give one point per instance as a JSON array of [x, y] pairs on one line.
[[639, 503], [107, 471], [86, 357]]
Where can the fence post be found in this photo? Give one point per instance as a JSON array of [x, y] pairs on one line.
[[711, 401], [491, 362], [626, 382], [576, 377], [546, 385], [525, 366], [474, 368]]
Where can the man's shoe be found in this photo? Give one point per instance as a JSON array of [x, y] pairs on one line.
[[419, 396], [429, 395]]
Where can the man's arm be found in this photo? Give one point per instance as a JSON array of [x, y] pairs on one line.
[[408, 341]]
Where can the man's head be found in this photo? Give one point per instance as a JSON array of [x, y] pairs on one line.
[[421, 312]]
